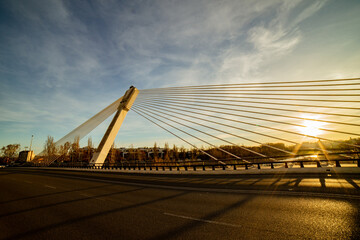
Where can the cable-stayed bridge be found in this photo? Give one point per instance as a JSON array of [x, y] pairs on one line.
[[241, 115], [244, 127]]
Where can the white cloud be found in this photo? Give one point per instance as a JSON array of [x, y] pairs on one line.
[[83, 60]]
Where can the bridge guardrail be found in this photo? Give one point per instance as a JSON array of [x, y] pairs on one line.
[[206, 166]]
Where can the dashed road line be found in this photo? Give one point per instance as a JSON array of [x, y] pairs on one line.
[[202, 220]]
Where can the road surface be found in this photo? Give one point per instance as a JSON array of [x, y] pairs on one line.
[[54, 204]]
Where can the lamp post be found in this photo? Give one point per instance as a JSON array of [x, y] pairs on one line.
[[32, 136]]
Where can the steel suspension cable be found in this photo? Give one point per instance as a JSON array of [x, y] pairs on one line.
[[269, 146], [248, 87], [233, 155], [271, 114], [264, 98], [211, 90], [244, 101], [267, 94], [252, 124], [247, 106], [222, 124], [230, 126], [194, 146], [262, 155], [270, 83]]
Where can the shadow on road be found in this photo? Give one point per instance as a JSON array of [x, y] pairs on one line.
[[33, 232], [246, 182], [321, 182], [55, 193]]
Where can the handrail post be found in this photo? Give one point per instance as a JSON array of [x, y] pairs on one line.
[[337, 163]]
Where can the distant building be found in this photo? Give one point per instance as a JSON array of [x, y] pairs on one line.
[[26, 156]]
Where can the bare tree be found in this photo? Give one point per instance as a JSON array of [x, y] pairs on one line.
[[111, 157], [156, 152], [74, 150], [11, 150], [140, 154], [132, 153], [64, 151], [50, 149], [90, 148], [175, 151], [182, 152], [216, 153], [90, 143], [194, 154], [166, 152]]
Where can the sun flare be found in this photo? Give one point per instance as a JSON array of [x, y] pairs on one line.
[[311, 127]]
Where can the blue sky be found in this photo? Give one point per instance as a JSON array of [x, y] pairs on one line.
[[63, 61]]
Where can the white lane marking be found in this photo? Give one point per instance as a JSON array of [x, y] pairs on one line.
[[48, 186], [203, 220], [27, 181]]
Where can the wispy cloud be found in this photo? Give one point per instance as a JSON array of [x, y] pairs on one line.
[[62, 61]]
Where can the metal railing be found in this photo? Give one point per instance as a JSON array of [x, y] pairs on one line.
[[202, 165]]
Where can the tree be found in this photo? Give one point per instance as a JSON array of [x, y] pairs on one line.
[[64, 150], [90, 148], [74, 150], [194, 154], [182, 154], [166, 153], [175, 153], [140, 155], [111, 157], [156, 152], [50, 148], [132, 153], [11, 150]]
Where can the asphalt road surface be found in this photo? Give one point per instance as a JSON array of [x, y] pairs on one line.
[[55, 204]]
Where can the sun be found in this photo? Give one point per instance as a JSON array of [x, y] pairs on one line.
[[311, 127]]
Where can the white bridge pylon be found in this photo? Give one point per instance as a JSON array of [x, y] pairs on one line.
[[121, 106], [114, 127]]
